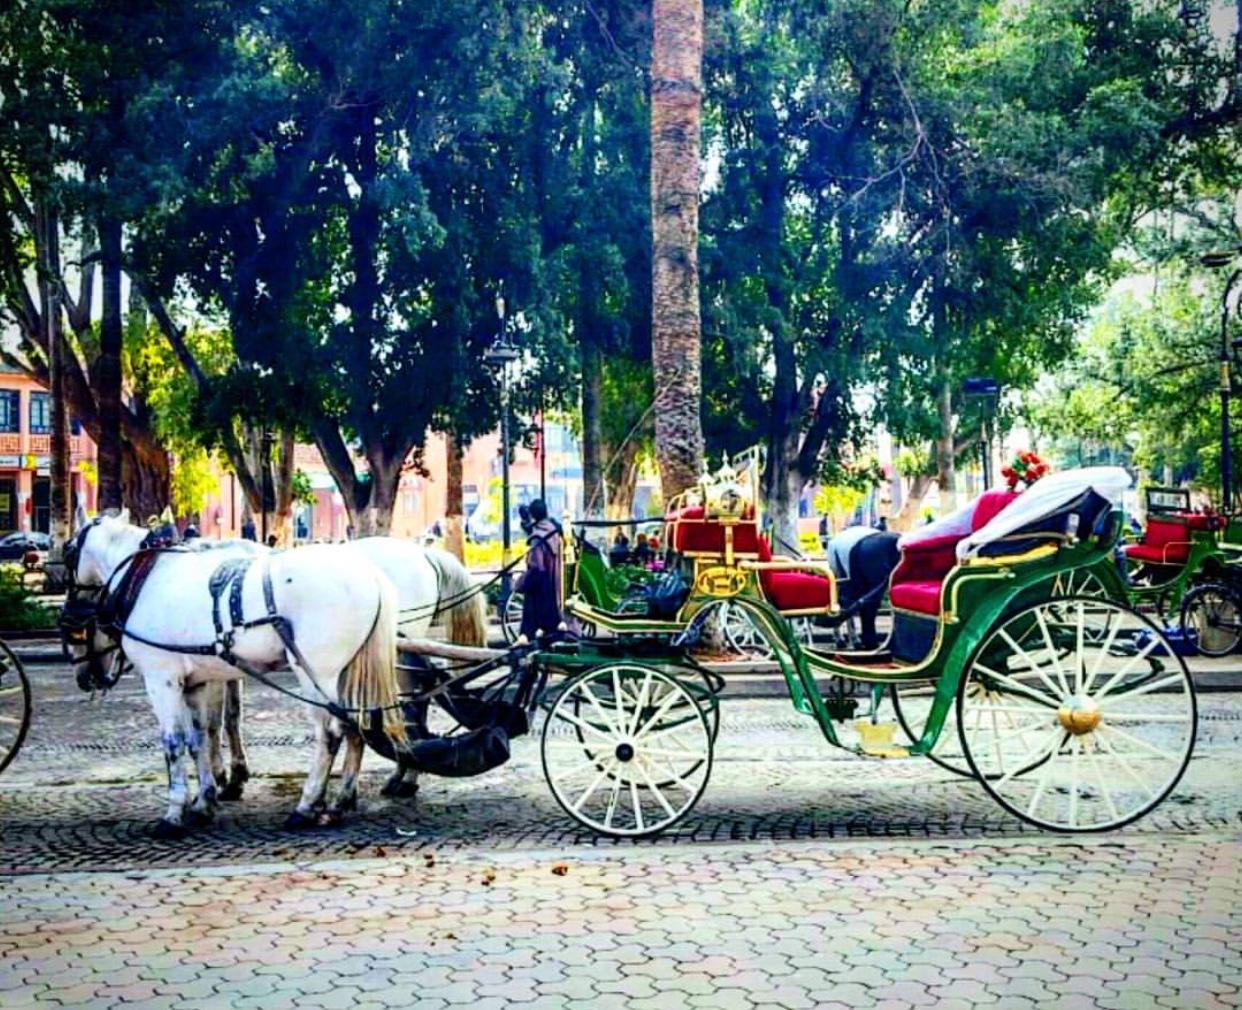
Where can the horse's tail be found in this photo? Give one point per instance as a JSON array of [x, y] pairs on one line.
[[370, 680], [466, 614]]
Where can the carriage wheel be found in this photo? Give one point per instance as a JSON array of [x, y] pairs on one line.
[[1078, 582], [1213, 613], [639, 753], [511, 617], [1091, 715], [745, 638], [15, 705], [912, 705]]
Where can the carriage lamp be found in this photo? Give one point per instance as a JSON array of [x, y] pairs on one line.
[[1220, 259]]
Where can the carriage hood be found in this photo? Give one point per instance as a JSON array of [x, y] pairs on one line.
[[1044, 498]]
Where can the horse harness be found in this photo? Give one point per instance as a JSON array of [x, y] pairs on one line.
[[108, 608]]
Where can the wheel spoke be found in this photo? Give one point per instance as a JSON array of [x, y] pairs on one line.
[[595, 783], [1125, 766], [1019, 650], [1037, 753], [1139, 742], [1106, 697], [655, 791], [1056, 659], [1024, 690], [1100, 782], [586, 689], [583, 725], [638, 806], [1131, 663]]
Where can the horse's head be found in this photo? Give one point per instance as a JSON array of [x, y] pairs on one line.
[[90, 559]]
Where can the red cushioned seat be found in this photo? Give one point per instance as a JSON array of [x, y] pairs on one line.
[[915, 583], [692, 532], [1199, 521], [798, 590], [1165, 542], [923, 596]]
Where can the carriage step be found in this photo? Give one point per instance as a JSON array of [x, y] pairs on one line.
[[877, 740]]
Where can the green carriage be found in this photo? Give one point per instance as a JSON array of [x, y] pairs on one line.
[[1186, 567], [1071, 710]]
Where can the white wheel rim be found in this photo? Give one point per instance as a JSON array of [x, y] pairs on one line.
[[916, 704], [1077, 715], [743, 635], [626, 750]]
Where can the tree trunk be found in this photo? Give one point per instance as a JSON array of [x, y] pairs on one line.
[[61, 519], [946, 469], [594, 489], [676, 95], [907, 516], [454, 499], [107, 370], [146, 477], [624, 481]]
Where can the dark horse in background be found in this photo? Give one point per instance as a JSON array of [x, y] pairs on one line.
[[862, 559]]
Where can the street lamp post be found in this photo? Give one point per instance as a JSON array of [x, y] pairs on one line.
[[1218, 260], [499, 355]]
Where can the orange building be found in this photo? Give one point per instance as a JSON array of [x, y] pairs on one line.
[[25, 455]]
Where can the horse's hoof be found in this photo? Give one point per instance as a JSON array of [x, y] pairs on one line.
[[198, 818], [402, 790], [232, 790], [168, 831], [298, 821], [332, 818]]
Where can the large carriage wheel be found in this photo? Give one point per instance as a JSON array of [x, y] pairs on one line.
[[637, 754], [1214, 613], [15, 705], [1092, 716]]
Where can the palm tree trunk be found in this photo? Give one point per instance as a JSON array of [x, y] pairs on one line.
[[61, 519], [676, 97], [108, 367]]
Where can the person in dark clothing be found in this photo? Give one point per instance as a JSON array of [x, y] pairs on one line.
[[247, 530], [619, 553], [540, 583]]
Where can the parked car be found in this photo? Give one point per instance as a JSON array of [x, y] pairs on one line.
[[28, 548]]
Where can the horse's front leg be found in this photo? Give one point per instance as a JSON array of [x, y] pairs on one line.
[[177, 735], [327, 743], [239, 769]]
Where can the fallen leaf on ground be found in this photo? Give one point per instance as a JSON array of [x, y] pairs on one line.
[[560, 869]]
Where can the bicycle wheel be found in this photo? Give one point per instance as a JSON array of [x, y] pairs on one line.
[[16, 705], [1214, 613]]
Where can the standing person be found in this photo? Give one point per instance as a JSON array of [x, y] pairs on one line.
[[247, 529], [540, 583]]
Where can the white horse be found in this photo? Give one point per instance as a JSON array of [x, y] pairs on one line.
[[339, 625], [432, 587]]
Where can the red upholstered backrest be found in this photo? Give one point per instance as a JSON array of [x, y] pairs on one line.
[[764, 548], [1199, 521], [691, 532], [988, 507], [1161, 532], [927, 560]]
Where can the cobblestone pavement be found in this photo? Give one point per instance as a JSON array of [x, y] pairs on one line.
[[806, 878], [86, 789], [1135, 922]]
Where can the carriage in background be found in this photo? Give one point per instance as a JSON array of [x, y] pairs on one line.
[[1072, 710], [1186, 566]]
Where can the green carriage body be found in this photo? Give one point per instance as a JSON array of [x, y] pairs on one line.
[[1022, 626]]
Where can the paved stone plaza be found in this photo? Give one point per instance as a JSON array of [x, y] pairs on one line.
[[806, 878]]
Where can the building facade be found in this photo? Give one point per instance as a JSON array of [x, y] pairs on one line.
[[25, 455]]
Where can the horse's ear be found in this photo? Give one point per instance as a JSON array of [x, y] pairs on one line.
[[123, 515]]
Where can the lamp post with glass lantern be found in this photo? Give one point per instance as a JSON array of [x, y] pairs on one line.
[[499, 356], [1219, 260]]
